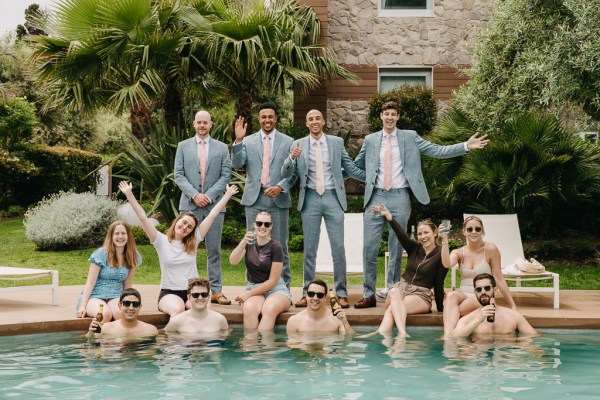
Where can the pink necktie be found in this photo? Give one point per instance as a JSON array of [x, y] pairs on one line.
[[387, 167], [202, 155], [266, 161]]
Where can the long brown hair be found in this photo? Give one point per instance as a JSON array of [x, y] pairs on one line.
[[130, 251], [189, 242]]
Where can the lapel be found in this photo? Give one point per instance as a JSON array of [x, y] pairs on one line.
[[333, 151], [276, 144], [305, 147], [196, 151], [377, 143], [401, 138], [211, 151]]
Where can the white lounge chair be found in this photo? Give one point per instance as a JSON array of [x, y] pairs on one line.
[[503, 231], [353, 243], [18, 274]]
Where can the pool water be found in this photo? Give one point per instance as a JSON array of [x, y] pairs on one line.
[[562, 363]]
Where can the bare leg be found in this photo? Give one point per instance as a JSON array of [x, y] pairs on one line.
[[398, 310], [113, 304], [457, 304], [171, 305], [274, 305], [91, 309], [387, 323], [251, 308]]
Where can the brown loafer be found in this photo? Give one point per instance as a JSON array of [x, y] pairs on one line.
[[301, 303], [219, 298], [343, 302], [366, 302]]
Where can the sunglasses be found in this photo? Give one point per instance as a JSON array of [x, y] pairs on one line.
[[319, 295], [477, 229], [480, 289], [198, 294], [129, 303], [260, 223]]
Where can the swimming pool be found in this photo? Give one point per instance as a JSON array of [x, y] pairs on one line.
[[61, 365]]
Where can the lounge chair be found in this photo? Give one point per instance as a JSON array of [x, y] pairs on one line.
[[503, 231], [18, 274]]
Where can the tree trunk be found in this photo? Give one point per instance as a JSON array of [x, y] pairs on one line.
[[140, 118], [244, 108], [172, 106]]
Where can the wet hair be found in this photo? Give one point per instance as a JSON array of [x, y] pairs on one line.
[[189, 242], [390, 105], [130, 254], [484, 275], [472, 218], [193, 282], [267, 106], [318, 282], [130, 292]]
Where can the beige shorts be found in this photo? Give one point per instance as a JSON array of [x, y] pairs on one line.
[[414, 290]]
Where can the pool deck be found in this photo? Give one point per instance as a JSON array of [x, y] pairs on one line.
[[32, 312]]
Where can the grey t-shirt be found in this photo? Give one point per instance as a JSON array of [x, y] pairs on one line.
[[259, 260]]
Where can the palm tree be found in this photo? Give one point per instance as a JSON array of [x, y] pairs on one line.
[[251, 45], [126, 54]]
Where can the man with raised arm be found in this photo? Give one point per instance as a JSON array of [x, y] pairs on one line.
[[317, 316], [130, 304], [202, 172], [263, 154], [199, 318], [490, 319]]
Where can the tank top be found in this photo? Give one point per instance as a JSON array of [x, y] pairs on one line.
[[467, 274]]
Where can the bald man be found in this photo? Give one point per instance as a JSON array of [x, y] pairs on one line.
[[202, 172]]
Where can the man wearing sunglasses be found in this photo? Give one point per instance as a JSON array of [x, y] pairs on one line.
[[199, 318], [130, 304], [317, 317], [506, 321]]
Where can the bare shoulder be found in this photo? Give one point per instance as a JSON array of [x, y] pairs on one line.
[[491, 248], [148, 329]]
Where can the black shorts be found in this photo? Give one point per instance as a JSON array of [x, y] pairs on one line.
[[182, 294]]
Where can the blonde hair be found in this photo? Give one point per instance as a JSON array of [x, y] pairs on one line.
[[130, 251], [189, 241], [473, 218]]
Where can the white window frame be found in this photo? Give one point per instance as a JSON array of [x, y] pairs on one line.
[[387, 71], [426, 12]]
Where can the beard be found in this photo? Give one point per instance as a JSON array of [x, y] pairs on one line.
[[484, 299]]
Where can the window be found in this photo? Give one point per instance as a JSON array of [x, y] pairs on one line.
[[406, 8], [390, 78]]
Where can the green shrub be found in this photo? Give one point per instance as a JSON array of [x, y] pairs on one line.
[[580, 248], [60, 169], [140, 236], [67, 221], [233, 232], [17, 122], [418, 110], [12, 170], [296, 243]]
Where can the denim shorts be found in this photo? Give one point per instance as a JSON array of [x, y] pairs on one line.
[[279, 287]]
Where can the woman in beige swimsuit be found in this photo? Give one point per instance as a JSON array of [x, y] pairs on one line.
[[476, 257]]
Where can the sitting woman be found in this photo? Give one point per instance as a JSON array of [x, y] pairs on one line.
[[475, 258], [111, 270], [266, 293], [177, 249], [424, 271]]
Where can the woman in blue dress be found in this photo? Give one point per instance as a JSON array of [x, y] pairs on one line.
[[112, 268]]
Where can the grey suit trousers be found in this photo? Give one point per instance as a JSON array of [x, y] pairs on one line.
[[213, 248]]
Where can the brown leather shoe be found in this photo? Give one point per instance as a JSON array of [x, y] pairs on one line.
[[343, 302], [366, 302], [219, 298], [301, 303]]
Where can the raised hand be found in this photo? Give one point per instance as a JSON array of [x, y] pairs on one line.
[[125, 187], [240, 129], [477, 142], [231, 190], [296, 152]]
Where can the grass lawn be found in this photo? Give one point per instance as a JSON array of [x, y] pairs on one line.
[[17, 251]]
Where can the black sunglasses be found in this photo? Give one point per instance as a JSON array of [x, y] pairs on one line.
[[319, 295], [198, 294], [477, 229], [479, 289], [260, 223], [128, 303]]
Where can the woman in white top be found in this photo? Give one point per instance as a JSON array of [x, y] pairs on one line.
[[476, 257], [177, 249]]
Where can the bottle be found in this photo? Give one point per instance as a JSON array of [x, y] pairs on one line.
[[492, 318], [333, 301], [99, 318], [412, 233]]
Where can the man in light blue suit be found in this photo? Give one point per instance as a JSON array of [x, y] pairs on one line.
[[392, 161], [317, 160], [202, 172], [265, 188]]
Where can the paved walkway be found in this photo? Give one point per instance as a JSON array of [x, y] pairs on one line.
[[32, 311]]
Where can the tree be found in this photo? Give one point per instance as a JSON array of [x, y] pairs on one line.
[[535, 54], [256, 44], [34, 17]]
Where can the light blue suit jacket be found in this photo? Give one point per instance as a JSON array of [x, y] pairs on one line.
[[187, 172], [249, 153], [411, 147], [339, 159]]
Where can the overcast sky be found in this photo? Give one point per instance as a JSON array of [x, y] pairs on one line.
[[12, 12]]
